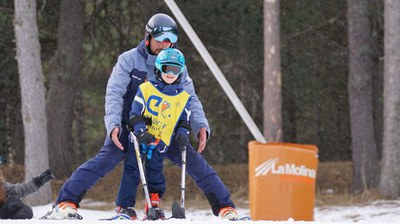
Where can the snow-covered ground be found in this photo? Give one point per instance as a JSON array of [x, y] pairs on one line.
[[375, 212]]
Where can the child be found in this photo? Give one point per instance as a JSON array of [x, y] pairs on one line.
[[163, 104], [11, 206]]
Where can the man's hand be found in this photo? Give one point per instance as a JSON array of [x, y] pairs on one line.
[[202, 140], [114, 137], [43, 178]]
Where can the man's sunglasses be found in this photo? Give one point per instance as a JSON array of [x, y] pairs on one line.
[[161, 34]]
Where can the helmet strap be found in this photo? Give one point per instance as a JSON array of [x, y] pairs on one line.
[[147, 40], [147, 44], [158, 75]]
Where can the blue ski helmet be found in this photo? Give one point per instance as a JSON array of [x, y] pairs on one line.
[[170, 60]]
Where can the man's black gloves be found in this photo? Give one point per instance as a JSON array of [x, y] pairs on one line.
[[145, 138], [182, 137], [43, 178]]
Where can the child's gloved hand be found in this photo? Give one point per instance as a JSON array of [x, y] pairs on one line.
[[43, 178], [182, 137], [145, 138]]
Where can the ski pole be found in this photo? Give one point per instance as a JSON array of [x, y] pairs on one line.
[[178, 212], [151, 212], [183, 177]]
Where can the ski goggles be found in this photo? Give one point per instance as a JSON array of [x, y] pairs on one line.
[[161, 34], [174, 69]]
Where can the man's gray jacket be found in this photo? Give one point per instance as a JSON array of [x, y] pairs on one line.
[[20, 189]]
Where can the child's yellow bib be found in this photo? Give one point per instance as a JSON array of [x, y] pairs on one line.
[[164, 110]]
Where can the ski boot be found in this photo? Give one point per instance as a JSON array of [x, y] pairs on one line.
[[127, 213], [228, 213], [155, 203], [63, 210]]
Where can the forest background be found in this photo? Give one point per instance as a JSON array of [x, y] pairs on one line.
[[314, 65]]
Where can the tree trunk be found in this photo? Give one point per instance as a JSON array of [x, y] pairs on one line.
[[390, 179], [79, 143], [32, 96], [364, 151], [9, 137], [272, 73], [64, 85]]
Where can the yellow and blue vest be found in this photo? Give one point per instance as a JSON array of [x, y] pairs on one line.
[[163, 109]]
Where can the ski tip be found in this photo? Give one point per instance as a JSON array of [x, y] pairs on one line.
[[118, 217], [245, 218], [46, 216]]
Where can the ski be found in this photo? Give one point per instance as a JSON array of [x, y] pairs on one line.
[[244, 218], [46, 216], [126, 217], [74, 216], [176, 214], [117, 217]]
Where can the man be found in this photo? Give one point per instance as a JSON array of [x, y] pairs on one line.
[[11, 206], [132, 68]]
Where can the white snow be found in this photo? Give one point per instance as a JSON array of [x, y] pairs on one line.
[[375, 212]]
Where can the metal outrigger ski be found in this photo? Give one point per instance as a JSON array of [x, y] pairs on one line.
[[151, 213], [178, 212]]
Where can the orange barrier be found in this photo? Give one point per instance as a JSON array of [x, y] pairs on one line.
[[282, 181]]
